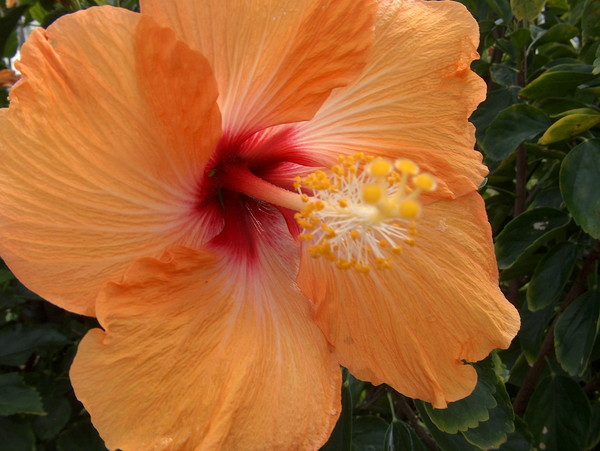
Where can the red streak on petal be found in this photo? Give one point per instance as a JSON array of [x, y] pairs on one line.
[[248, 223]]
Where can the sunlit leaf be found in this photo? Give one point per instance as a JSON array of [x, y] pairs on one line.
[[527, 9]]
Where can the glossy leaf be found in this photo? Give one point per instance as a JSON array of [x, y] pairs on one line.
[[526, 232], [447, 442], [550, 276], [494, 432], [558, 81], [472, 410], [511, 127], [527, 9], [558, 415], [19, 342], [580, 185], [569, 126], [487, 110], [16, 397], [557, 33], [576, 331]]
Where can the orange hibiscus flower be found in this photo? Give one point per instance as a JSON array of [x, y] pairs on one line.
[[148, 178]]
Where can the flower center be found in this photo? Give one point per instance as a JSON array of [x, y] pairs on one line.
[[363, 211]]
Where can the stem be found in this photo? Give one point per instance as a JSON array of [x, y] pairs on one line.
[[406, 412], [242, 180]]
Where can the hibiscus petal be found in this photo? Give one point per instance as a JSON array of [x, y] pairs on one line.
[[198, 353], [413, 325], [414, 97], [275, 61], [102, 148]]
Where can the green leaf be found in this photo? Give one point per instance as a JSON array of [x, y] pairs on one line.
[[558, 415], [594, 435], [470, 411], [576, 331], [569, 126], [511, 127], [19, 342], [80, 437], [401, 437], [494, 432], [16, 397], [16, 434], [518, 440], [487, 110], [527, 232], [580, 185], [590, 21], [59, 413], [503, 74], [558, 81], [447, 442], [9, 23], [533, 326], [368, 434], [550, 276], [560, 32], [527, 9]]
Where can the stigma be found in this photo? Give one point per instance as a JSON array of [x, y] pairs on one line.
[[362, 211]]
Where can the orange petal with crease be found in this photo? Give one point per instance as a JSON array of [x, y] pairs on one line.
[[414, 97], [275, 61], [413, 325], [198, 353], [93, 173]]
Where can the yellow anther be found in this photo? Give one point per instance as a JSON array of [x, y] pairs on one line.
[[425, 182], [383, 243], [407, 166], [343, 203], [409, 241], [409, 209], [306, 236], [362, 268], [397, 250], [372, 194], [380, 167], [343, 264], [354, 234], [304, 224], [304, 198], [383, 263], [329, 231], [319, 205], [337, 170]]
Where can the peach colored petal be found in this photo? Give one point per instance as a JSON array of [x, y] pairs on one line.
[[411, 326], [202, 354], [275, 61], [414, 97], [100, 156]]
